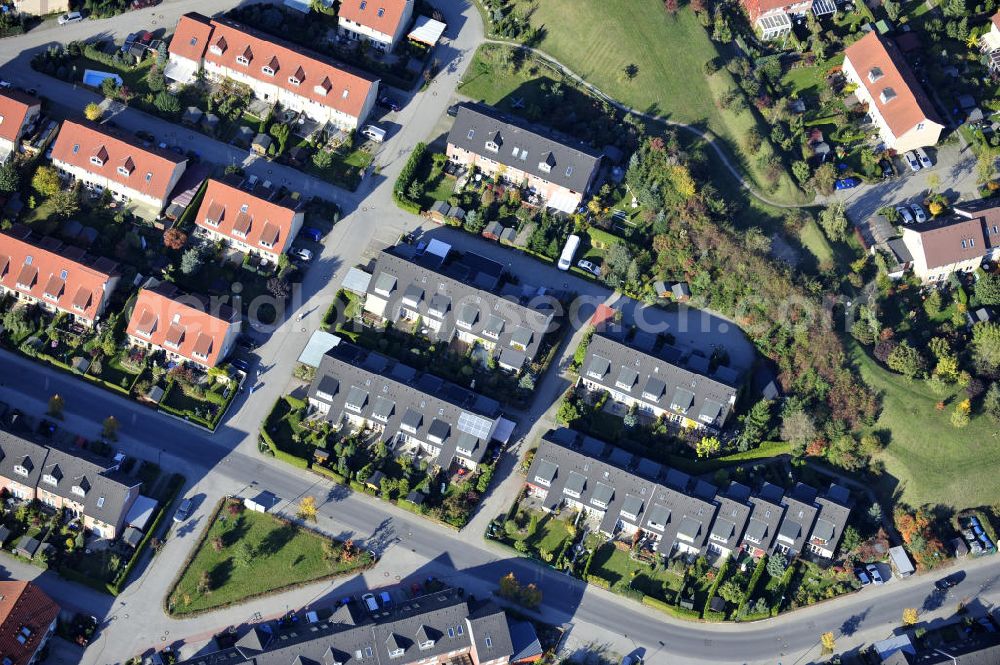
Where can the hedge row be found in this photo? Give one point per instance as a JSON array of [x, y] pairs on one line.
[[329, 473], [673, 610], [406, 176], [752, 585], [715, 586]]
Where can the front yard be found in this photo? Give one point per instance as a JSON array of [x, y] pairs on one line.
[[244, 554]]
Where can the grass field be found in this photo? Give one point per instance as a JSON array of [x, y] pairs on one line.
[[283, 555], [931, 461], [669, 54]]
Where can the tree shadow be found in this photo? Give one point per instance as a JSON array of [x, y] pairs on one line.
[[220, 573], [236, 532], [853, 622], [934, 600], [276, 539]]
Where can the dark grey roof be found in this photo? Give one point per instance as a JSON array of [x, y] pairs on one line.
[[356, 397], [525, 641], [545, 470], [383, 408], [576, 482], [443, 623], [667, 386], [18, 452], [765, 516], [463, 291], [690, 528], [632, 505], [523, 147], [756, 532], [425, 403], [800, 515], [790, 530], [823, 530], [832, 519], [732, 518], [512, 358], [602, 494]]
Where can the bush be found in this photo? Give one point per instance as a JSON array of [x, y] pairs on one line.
[[407, 174]]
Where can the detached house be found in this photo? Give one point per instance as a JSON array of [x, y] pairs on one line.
[[989, 44], [773, 18], [277, 72], [456, 296], [251, 223], [379, 22], [560, 172], [57, 278], [89, 489], [117, 162], [897, 104], [188, 328], [412, 412], [28, 619], [659, 384], [18, 111], [958, 243]]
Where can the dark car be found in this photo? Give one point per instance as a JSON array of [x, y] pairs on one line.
[[847, 183], [453, 110], [887, 170], [387, 102], [948, 582]]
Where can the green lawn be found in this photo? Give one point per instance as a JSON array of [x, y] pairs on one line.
[[932, 461], [815, 241], [283, 555], [618, 568]]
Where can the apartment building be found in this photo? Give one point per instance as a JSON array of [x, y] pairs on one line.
[[660, 383], [250, 219], [560, 171], [18, 110], [412, 412], [90, 489], [108, 160], [276, 71], [445, 627], [620, 493], [943, 246], [456, 296], [28, 618], [56, 277], [379, 22], [187, 328], [897, 104]]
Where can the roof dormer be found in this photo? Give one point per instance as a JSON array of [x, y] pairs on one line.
[[245, 57], [298, 77], [99, 157], [219, 47], [126, 167], [875, 74], [323, 87], [272, 66], [887, 95]]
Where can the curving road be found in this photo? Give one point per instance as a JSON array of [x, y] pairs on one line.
[[227, 462]]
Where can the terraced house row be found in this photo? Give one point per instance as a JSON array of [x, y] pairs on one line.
[[456, 297], [277, 72], [413, 412], [621, 494], [662, 382]]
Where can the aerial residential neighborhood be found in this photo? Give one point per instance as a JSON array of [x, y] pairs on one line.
[[499, 332]]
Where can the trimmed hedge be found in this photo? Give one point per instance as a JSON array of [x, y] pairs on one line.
[[714, 616], [598, 581], [673, 610], [329, 473], [86, 580], [406, 176], [752, 585], [715, 586]]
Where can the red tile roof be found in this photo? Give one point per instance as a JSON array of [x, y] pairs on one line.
[[59, 276], [14, 107], [951, 242], [381, 15], [906, 103], [163, 315], [26, 613], [262, 219], [323, 82], [996, 20], [757, 8], [148, 171]]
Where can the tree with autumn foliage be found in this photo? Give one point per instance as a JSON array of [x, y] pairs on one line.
[[828, 642], [910, 616], [916, 528], [528, 596], [174, 238]]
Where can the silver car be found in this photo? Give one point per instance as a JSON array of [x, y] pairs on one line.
[[918, 212], [925, 161], [912, 161], [904, 214]]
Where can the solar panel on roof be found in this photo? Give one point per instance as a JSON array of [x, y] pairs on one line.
[[477, 426]]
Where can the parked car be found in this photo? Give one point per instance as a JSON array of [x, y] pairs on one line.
[[386, 600], [948, 582], [311, 233], [370, 602], [376, 134], [876, 576], [453, 110], [925, 161], [912, 161], [904, 214], [846, 183], [919, 213], [302, 253], [71, 17], [887, 170], [183, 511], [388, 102], [593, 269], [863, 578]]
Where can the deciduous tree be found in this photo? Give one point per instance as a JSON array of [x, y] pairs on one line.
[[910, 616], [46, 181]]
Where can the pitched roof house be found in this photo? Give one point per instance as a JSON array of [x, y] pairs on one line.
[[457, 295], [560, 171], [411, 411], [771, 17], [186, 327], [298, 79], [834, 509], [248, 221], [379, 22], [797, 524], [445, 626], [118, 162], [658, 384], [56, 277], [27, 620], [17, 111], [940, 247], [766, 513], [897, 103], [90, 488]]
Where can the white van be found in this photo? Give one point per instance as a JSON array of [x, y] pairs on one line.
[[566, 260], [376, 134], [71, 17]]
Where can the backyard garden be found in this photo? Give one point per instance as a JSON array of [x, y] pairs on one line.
[[244, 554]]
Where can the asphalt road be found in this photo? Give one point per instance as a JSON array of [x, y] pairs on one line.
[[227, 462]]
